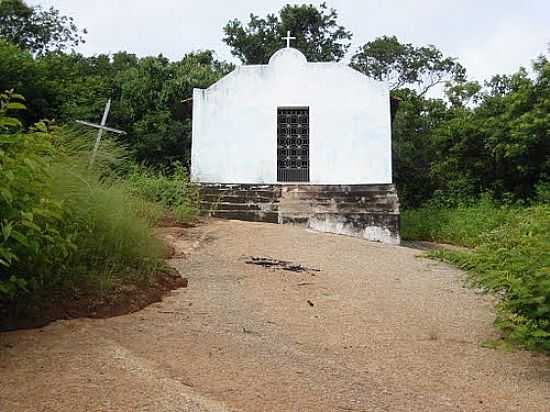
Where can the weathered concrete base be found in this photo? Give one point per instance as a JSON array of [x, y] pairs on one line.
[[375, 227], [367, 211]]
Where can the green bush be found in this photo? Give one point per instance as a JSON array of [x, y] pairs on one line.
[[462, 225], [63, 225], [31, 240], [542, 192], [511, 257], [173, 191]]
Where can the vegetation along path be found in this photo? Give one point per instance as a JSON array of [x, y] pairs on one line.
[[377, 328]]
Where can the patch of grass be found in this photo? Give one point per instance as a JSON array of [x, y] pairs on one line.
[[112, 230], [174, 191], [511, 257], [67, 228], [462, 226]]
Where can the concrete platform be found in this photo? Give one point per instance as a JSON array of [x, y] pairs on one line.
[[368, 211]]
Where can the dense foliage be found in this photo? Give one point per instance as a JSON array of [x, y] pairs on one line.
[[174, 192], [385, 58], [318, 35], [510, 256], [62, 224], [36, 29], [29, 219], [150, 95], [482, 139]]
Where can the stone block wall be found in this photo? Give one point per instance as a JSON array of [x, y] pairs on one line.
[[368, 211]]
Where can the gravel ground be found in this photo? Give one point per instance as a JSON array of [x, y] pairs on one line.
[[377, 329]]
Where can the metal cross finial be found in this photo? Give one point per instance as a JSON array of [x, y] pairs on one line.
[[288, 38], [101, 128]]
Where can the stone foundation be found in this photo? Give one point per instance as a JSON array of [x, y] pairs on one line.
[[367, 211]]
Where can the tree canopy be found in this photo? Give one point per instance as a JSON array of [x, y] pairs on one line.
[[500, 145], [147, 94], [386, 58], [318, 35], [36, 29]]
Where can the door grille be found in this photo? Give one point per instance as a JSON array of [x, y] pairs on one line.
[[293, 144]]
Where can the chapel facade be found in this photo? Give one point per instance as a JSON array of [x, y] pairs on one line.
[[297, 142]]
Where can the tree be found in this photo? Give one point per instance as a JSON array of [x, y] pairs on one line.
[[36, 29], [149, 95], [149, 104], [501, 145], [463, 93], [413, 145], [386, 58], [317, 33]]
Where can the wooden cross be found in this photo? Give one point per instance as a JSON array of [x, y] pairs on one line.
[[288, 39], [101, 128]]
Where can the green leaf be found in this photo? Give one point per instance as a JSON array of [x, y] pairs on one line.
[[6, 195], [6, 231], [17, 96], [27, 215], [15, 106], [32, 165], [31, 225], [11, 138], [19, 237], [10, 122], [41, 127]]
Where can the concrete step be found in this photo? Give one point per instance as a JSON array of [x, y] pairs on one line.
[[249, 216], [339, 188], [351, 196], [249, 206], [224, 191], [294, 218], [238, 198], [369, 211], [215, 187]]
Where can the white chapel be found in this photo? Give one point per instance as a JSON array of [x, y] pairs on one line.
[[297, 142]]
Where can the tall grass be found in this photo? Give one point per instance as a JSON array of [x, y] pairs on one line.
[[510, 256], [112, 228], [463, 225], [174, 191], [100, 234]]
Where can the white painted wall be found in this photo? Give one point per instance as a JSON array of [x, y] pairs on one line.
[[235, 123]]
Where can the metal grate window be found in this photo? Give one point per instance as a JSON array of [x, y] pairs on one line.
[[293, 144]]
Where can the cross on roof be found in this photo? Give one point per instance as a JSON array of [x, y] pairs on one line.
[[288, 38]]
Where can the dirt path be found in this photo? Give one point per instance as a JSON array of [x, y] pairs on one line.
[[383, 330]]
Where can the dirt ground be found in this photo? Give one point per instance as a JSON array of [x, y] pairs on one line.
[[376, 329]]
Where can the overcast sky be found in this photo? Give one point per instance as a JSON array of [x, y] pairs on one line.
[[487, 36]]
